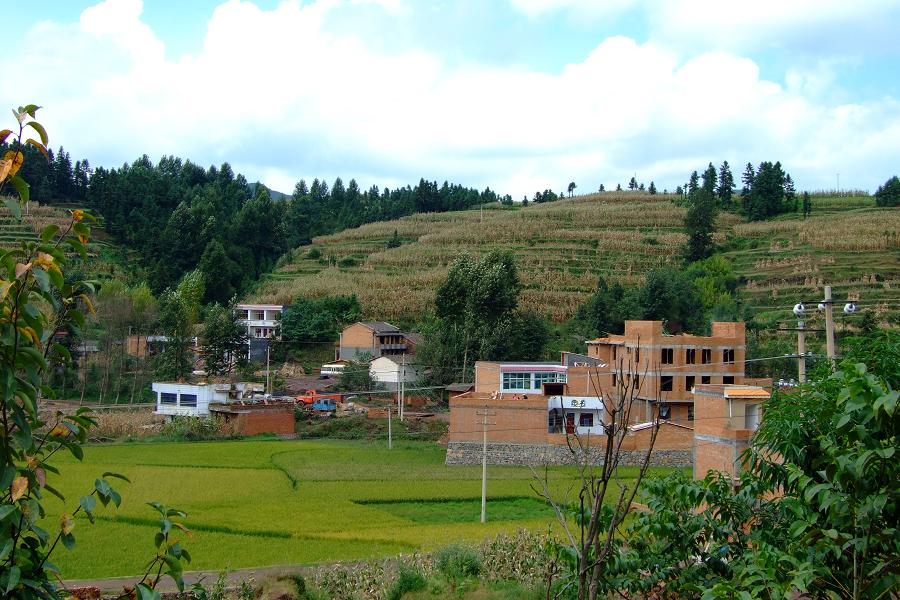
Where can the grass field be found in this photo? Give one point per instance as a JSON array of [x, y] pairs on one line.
[[256, 503], [563, 247]]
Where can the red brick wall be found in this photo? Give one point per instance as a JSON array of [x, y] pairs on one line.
[[279, 421]]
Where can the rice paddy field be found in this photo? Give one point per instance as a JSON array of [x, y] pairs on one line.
[[563, 247], [259, 503]]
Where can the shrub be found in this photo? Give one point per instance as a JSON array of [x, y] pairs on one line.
[[458, 562], [314, 254], [409, 579], [347, 261], [190, 429]]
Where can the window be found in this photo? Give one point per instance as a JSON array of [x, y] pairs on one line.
[[586, 420], [689, 383], [690, 412], [188, 399], [728, 356], [664, 411], [706, 356], [614, 379], [637, 381], [728, 379], [705, 379], [517, 381], [541, 378], [637, 354], [665, 383], [168, 398], [614, 353], [690, 356], [668, 355]]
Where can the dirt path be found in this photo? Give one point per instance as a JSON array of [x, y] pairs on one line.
[[113, 585]]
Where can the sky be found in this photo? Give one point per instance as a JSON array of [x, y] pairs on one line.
[[517, 95]]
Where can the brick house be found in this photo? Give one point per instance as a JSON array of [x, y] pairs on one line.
[[726, 418], [536, 404], [375, 338], [669, 366]]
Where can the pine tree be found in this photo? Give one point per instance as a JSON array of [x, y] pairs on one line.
[[618, 187], [632, 185], [790, 194], [694, 184], [602, 189], [747, 179], [725, 190], [700, 219], [807, 205], [652, 190]]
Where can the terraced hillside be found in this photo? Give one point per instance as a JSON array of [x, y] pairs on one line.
[[105, 260], [563, 247]]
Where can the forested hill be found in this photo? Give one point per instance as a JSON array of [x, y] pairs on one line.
[[179, 216]]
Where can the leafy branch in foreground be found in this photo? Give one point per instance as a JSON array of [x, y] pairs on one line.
[[38, 306]]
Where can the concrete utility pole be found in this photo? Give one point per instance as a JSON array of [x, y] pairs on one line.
[[484, 414], [401, 388], [801, 352], [390, 436], [829, 325], [267, 369]]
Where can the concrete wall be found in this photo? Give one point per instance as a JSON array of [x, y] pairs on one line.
[[523, 421], [470, 453]]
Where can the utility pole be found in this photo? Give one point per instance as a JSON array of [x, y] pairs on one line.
[[267, 369], [484, 414], [801, 352], [390, 436], [402, 387], [829, 324]]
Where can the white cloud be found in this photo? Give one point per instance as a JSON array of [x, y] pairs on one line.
[[587, 8], [281, 97]]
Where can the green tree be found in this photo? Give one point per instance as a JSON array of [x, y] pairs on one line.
[[700, 218], [807, 205], [224, 344], [889, 193], [725, 188], [571, 188], [632, 184], [356, 376], [652, 189], [318, 320], [476, 315], [179, 310], [668, 295]]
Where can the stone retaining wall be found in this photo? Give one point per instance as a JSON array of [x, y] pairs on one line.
[[470, 453]]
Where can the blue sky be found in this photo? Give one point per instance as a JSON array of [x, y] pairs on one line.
[[518, 95]]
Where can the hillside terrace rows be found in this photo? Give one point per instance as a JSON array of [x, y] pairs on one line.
[[563, 247]]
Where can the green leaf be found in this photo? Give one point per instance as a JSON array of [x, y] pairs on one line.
[[40, 130], [68, 540], [42, 279], [5, 510], [6, 549], [117, 476], [24, 193], [147, 593], [12, 578], [49, 232], [14, 207], [88, 504]]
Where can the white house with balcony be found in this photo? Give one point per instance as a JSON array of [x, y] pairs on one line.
[[263, 322]]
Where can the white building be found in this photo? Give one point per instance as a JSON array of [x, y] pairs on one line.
[[389, 371], [262, 320], [334, 369], [575, 414], [193, 400]]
